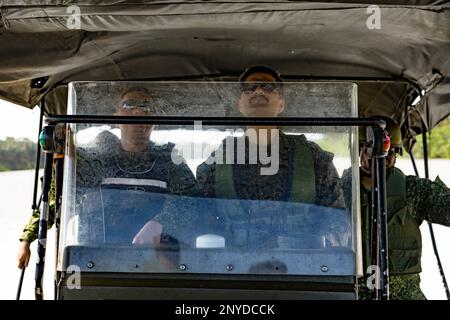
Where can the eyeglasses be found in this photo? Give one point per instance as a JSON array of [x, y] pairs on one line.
[[268, 87], [145, 105]]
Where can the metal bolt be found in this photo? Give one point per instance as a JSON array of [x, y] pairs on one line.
[[182, 267], [324, 268], [229, 267], [90, 264]]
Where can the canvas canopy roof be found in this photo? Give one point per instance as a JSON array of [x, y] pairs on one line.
[[153, 40]]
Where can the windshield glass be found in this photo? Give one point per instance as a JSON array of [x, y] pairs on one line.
[[210, 199]]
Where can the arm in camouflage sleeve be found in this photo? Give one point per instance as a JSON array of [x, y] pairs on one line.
[[328, 185], [428, 200], [184, 218], [30, 231], [335, 224], [178, 219], [346, 183], [181, 180], [205, 180]]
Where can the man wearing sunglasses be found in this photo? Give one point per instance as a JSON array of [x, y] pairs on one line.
[[410, 201], [115, 163], [137, 164], [136, 101], [261, 95], [134, 155]]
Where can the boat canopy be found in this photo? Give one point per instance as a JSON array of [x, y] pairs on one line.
[[394, 52]]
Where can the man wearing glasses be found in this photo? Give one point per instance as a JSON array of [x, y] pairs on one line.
[[304, 173], [262, 96], [132, 162], [134, 155], [136, 165]]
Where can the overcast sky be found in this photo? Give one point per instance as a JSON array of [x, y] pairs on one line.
[[18, 122]]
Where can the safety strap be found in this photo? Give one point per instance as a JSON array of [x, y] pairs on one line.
[[303, 178]]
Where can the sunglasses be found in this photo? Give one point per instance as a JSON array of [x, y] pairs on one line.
[[268, 87], [143, 104]]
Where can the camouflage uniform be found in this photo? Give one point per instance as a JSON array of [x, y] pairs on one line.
[[251, 185], [115, 211], [108, 159], [31, 229], [426, 200], [401, 287], [96, 163]]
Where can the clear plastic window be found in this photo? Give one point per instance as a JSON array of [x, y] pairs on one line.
[[201, 199]]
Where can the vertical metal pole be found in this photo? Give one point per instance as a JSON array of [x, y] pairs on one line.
[[42, 235], [59, 166], [425, 151], [19, 288], [374, 235], [38, 157], [379, 232], [382, 216], [413, 160]]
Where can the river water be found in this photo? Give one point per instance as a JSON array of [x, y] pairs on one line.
[[16, 189]]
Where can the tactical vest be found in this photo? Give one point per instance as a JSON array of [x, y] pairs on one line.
[[255, 223], [404, 238], [303, 177]]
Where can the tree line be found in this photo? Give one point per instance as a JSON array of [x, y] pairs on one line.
[[17, 154], [20, 154], [438, 142]]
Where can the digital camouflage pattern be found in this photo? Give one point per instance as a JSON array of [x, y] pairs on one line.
[[251, 223], [107, 159], [402, 287], [426, 200], [115, 211], [31, 229], [250, 184]]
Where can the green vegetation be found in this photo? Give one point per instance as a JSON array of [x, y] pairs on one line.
[[17, 154], [20, 154], [336, 144], [438, 142]]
